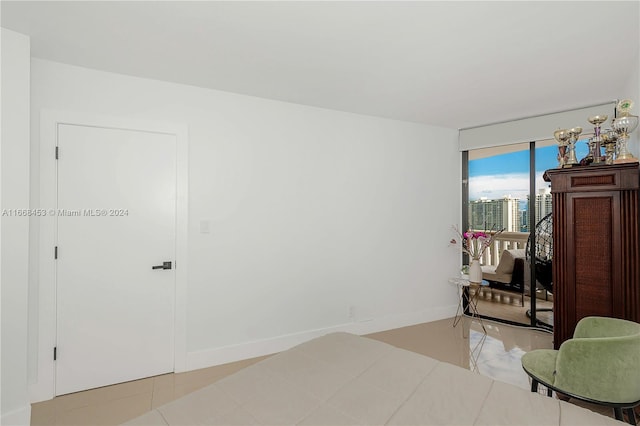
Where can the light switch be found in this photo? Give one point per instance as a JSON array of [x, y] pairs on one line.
[[205, 226]]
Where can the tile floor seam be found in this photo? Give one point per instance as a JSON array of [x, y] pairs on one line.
[[355, 419], [374, 385], [326, 364], [296, 387], [59, 402], [484, 401], [153, 393], [561, 411], [240, 404], [335, 407], [412, 393], [243, 405], [164, 419], [310, 411], [338, 370]]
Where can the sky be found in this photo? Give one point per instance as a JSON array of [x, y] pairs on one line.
[[508, 174]]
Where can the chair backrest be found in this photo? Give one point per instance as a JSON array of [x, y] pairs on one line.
[[602, 361], [508, 259], [605, 327]]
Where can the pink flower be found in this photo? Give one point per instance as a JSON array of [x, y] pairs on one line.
[[475, 243]]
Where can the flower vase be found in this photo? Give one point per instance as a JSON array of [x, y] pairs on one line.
[[475, 272]]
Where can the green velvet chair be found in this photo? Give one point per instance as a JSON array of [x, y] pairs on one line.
[[600, 364]]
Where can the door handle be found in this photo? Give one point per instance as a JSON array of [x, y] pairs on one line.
[[165, 265]]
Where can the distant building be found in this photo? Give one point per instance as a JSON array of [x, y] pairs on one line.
[[485, 214], [524, 218], [543, 203]]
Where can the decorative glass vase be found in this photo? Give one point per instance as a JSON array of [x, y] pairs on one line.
[[475, 271]]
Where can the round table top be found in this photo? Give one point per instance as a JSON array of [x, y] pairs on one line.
[[465, 282]]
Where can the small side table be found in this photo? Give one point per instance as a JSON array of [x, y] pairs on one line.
[[471, 300]]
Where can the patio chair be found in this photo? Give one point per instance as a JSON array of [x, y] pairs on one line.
[[508, 274]]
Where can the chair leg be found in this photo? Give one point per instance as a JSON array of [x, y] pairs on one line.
[[617, 411], [534, 385], [631, 416]]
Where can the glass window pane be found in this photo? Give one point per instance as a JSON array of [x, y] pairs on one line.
[[546, 158], [499, 187], [498, 199]]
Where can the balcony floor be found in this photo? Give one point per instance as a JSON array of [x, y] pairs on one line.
[[506, 306]]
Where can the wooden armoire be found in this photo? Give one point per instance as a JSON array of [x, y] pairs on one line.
[[596, 244]]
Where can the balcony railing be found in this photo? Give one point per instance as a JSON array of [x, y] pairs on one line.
[[504, 241]]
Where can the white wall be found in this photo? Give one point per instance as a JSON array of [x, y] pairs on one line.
[[632, 91], [16, 408], [319, 219]]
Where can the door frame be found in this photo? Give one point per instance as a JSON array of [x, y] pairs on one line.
[[44, 386]]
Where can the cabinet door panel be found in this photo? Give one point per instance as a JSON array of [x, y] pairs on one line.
[[593, 246], [596, 238]]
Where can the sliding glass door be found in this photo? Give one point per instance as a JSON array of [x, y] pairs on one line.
[[498, 198], [505, 190]]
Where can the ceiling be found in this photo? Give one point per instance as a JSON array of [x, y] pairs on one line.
[[453, 64]]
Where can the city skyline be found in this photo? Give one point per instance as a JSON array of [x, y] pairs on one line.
[[499, 188], [506, 213], [508, 174]]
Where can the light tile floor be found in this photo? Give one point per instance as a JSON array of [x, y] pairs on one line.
[[496, 355], [112, 405]]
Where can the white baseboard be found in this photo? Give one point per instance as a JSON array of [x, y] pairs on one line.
[[19, 417], [226, 354], [390, 322]]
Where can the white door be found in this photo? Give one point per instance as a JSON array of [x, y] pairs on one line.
[[115, 221]]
